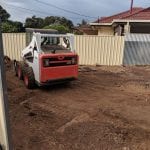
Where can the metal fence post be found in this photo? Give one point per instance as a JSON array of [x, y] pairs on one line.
[[4, 121]]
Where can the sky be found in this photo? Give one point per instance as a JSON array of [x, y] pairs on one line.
[[91, 8]]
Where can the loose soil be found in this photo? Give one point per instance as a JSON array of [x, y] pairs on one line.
[[107, 108]]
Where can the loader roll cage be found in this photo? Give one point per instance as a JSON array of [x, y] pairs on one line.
[[30, 31], [49, 37], [55, 41], [43, 41]]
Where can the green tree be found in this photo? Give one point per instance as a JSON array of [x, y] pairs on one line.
[[54, 20], [60, 23], [60, 28], [49, 20], [34, 22], [66, 22], [4, 15], [18, 25], [10, 26]]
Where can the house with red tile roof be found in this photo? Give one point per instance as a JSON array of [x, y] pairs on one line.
[[135, 21]]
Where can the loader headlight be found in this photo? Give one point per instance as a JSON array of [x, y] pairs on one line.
[[74, 60], [46, 62]]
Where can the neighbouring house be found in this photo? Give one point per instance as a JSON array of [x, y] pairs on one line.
[[135, 21], [85, 30]]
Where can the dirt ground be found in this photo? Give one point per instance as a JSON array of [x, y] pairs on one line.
[[108, 108]]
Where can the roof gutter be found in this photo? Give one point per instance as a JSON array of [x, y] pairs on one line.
[[101, 24], [118, 20]]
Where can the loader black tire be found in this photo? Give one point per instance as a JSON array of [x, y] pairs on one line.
[[29, 79], [20, 67]]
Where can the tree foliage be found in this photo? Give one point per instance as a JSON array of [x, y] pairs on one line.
[[8, 25], [61, 24], [12, 26], [4, 15], [60, 28], [54, 22], [58, 21], [34, 22]]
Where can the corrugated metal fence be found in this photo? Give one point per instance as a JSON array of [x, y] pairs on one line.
[[137, 49], [133, 49], [14, 44], [92, 50], [100, 50]]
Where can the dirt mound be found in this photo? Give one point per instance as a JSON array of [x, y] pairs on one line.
[[136, 87], [113, 69]]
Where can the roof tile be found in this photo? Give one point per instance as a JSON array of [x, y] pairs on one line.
[[138, 13]]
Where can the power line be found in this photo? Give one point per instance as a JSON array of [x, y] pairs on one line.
[[66, 10], [26, 11], [31, 10]]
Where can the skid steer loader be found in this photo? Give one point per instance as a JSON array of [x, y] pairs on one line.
[[49, 58]]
